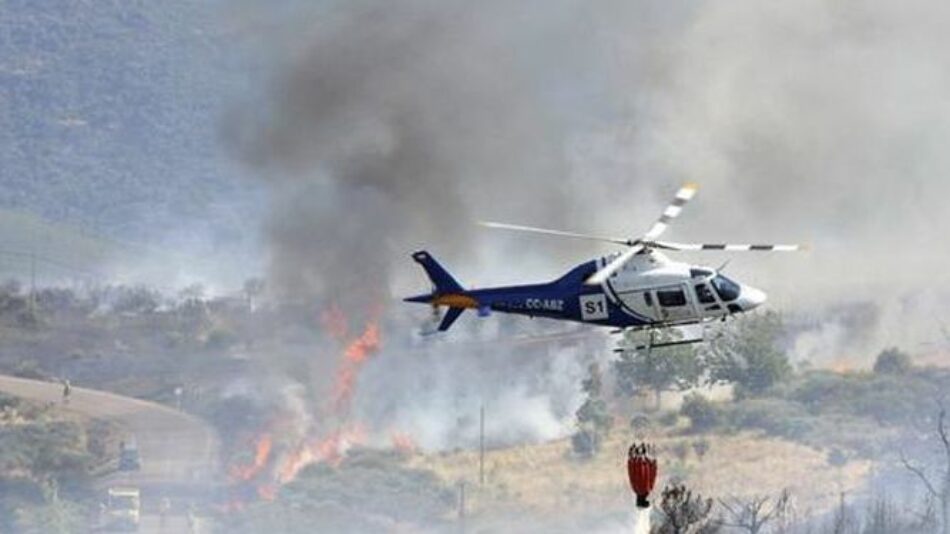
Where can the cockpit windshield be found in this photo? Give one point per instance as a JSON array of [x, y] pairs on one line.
[[726, 288]]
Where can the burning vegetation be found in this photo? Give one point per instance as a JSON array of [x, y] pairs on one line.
[[276, 458]]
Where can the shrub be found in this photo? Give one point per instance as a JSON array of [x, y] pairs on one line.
[[774, 416], [892, 361], [669, 419], [593, 417], [681, 510], [680, 450], [837, 457], [701, 447], [585, 443], [640, 422], [819, 390], [703, 414], [886, 398], [221, 339]]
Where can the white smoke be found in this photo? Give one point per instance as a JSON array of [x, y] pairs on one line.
[[391, 127], [435, 389], [641, 520]]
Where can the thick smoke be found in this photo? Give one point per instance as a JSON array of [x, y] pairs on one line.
[[393, 126], [434, 391], [397, 125], [821, 121]]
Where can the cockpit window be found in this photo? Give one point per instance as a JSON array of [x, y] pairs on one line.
[[704, 295], [726, 288]]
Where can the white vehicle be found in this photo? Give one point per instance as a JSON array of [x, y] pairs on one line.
[[122, 509]]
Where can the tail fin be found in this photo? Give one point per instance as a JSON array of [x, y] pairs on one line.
[[444, 285], [443, 281]]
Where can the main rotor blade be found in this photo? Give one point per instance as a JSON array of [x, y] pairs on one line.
[[561, 233], [672, 211], [603, 274], [669, 245]]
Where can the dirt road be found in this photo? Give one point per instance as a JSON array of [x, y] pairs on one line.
[[179, 452]]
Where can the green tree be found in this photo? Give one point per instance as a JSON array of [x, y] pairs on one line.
[[703, 414], [750, 355], [659, 369], [892, 361], [135, 300], [593, 418], [54, 516]]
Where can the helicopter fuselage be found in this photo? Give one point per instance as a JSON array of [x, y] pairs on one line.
[[649, 291]]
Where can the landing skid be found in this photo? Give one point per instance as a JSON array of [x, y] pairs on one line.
[[653, 343], [651, 346]]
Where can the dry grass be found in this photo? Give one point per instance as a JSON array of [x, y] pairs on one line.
[[543, 479]]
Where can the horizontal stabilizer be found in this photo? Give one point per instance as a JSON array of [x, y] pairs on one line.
[[450, 317]]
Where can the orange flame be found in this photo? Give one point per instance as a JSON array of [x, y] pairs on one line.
[[322, 448], [354, 357], [403, 442], [267, 492], [841, 366], [331, 450], [262, 450]]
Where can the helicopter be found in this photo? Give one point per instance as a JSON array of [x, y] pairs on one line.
[[638, 289]]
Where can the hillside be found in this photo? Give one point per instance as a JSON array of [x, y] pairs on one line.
[[110, 111], [542, 480], [52, 251], [58, 253]]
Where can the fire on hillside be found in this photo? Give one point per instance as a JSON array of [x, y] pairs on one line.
[[276, 459]]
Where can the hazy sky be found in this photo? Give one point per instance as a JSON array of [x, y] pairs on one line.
[[392, 126]]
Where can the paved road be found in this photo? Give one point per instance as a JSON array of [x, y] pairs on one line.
[[179, 452]]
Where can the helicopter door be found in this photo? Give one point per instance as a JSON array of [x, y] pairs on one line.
[[640, 302], [674, 303]]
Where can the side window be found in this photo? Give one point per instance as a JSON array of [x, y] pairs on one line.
[[704, 294], [671, 298], [648, 298]]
